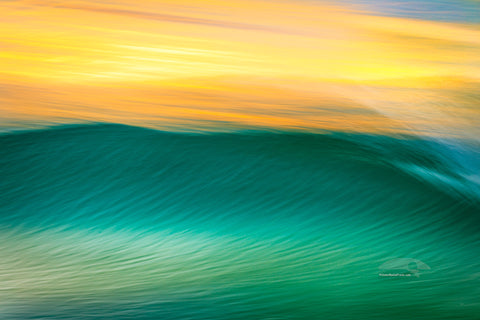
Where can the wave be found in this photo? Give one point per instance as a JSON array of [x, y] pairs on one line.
[[120, 222]]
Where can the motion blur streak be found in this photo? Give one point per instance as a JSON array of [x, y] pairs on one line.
[[250, 63], [239, 159]]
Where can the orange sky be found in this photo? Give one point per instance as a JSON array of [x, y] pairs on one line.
[[221, 63]]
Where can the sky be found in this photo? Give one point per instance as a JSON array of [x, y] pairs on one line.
[[440, 10], [358, 65]]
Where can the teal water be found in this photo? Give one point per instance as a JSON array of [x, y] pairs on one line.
[[117, 222]]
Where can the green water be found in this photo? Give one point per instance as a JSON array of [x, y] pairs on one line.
[[117, 222]]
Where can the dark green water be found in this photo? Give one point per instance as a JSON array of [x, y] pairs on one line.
[[117, 222]]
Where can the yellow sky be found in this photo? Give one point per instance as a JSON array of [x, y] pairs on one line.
[[174, 53]]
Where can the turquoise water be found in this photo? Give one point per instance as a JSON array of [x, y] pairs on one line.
[[117, 222]]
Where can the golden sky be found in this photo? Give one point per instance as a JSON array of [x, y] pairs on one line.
[[298, 64]]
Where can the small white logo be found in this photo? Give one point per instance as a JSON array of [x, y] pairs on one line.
[[403, 267]]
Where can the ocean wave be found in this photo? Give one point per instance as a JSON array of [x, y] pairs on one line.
[[118, 222]]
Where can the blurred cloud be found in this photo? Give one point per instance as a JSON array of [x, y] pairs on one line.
[[286, 63]]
